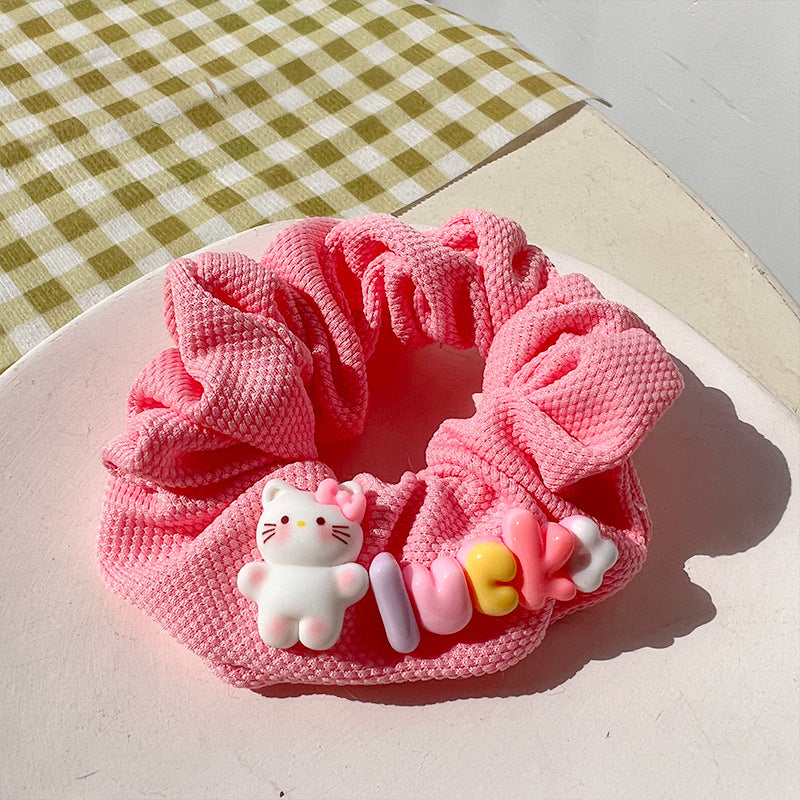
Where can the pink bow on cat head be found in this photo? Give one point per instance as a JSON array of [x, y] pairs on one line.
[[349, 497]]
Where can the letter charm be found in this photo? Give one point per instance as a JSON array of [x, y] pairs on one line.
[[440, 594]]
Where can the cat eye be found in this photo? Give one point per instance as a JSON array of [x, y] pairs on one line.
[[320, 520], [284, 519]]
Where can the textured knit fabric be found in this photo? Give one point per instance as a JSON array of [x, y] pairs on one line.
[[270, 359]]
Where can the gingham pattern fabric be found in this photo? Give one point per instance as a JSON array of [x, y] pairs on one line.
[[134, 132], [271, 358]]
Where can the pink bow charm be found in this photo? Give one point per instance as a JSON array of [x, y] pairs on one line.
[[352, 504]]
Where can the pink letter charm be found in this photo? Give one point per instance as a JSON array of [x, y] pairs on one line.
[[440, 595], [539, 560]]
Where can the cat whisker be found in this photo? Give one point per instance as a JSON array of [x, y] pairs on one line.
[[342, 533], [343, 541], [268, 536]]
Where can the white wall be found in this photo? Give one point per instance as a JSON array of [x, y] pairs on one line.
[[710, 87]]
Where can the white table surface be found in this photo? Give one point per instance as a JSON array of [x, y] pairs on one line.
[[683, 685]]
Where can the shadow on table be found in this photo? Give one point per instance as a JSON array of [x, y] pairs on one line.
[[715, 486]]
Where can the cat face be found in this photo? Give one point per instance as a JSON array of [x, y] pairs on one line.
[[295, 528]]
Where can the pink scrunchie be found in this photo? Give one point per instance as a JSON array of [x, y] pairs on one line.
[[270, 359]]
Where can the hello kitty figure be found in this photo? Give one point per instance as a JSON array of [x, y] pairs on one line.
[[309, 542]]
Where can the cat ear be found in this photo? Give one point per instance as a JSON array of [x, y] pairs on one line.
[[354, 487], [272, 489]]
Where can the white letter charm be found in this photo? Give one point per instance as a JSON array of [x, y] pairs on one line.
[[593, 555], [308, 578]]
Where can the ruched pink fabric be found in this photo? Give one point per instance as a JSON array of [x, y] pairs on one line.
[[270, 361]]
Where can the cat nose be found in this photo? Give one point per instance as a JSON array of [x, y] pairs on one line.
[[301, 523]]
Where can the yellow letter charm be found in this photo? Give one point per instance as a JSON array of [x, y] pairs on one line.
[[489, 565]]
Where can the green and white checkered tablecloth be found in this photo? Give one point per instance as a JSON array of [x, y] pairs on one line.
[[134, 132]]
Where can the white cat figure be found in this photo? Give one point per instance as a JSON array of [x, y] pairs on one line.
[[308, 578]]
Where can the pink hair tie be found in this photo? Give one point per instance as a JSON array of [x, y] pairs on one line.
[[220, 521]]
